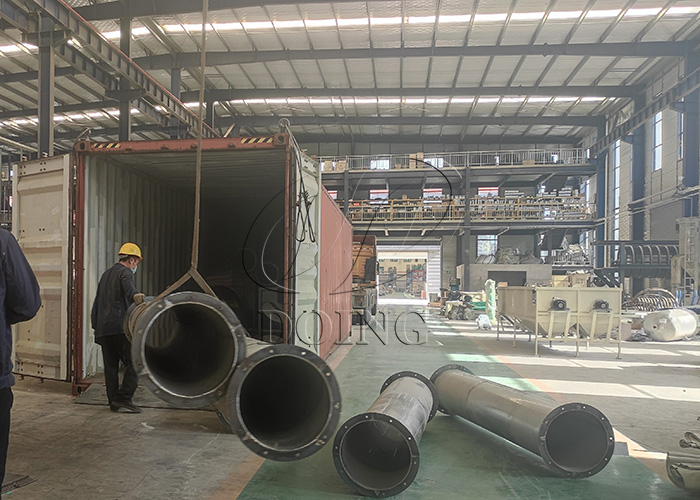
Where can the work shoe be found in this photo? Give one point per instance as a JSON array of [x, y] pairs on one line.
[[127, 407]]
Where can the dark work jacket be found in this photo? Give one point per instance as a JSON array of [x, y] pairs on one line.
[[114, 296], [19, 293]]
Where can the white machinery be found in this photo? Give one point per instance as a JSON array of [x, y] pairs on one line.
[[578, 314]]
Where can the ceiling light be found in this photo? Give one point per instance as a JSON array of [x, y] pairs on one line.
[[295, 100], [78, 116], [362, 21], [95, 114], [462, 100], [320, 23], [527, 16], [421, 20], [437, 100], [7, 49], [566, 99], [676, 11], [490, 18], [411, 100], [389, 100], [141, 30], [257, 25], [592, 99], [601, 14], [288, 24], [455, 19], [488, 100], [643, 12], [378, 21], [226, 26], [539, 99], [253, 101], [573, 14]]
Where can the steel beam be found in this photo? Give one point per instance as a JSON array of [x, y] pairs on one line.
[[29, 76], [47, 63], [438, 139], [685, 87], [139, 8], [219, 95], [621, 49], [175, 79], [272, 121], [107, 53], [124, 86], [12, 14]]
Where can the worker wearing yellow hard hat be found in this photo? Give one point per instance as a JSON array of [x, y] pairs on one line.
[[115, 293]]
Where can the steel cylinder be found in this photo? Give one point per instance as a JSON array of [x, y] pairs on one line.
[[185, 347], [575, 440], [671, 324], [283, 401], [376, 453]]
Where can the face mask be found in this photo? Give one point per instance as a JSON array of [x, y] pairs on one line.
[[134, 269]]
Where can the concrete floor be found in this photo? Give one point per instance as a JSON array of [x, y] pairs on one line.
[[650, 395]]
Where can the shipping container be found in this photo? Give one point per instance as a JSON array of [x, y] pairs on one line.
[[259, 240], [336, 266]]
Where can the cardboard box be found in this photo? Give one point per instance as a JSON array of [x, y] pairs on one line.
[[528, 162], [341, 166], [578, 280], [416, 161]]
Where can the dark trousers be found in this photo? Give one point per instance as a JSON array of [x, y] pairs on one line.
[[6, 400], [116, 348]]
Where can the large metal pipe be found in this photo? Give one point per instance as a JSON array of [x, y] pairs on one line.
[[671, 324], [185, 347], [575, 440], [283, 401], [376, 453]]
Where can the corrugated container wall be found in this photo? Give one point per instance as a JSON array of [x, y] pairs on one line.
[[336, 275]]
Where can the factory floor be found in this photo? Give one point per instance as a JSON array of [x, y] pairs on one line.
[[651, 395]]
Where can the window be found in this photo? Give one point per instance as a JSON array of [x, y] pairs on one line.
[[681, 135], [487, 192], [380, 164], [486, 244], [616, 191], [435, 162], [378, 195], [656, 139], [432, 195]]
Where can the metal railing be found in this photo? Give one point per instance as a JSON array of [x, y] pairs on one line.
[[523, 157], [568, 208]]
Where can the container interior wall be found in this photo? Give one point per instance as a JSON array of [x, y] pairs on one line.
[[148, 198], [336, 275]]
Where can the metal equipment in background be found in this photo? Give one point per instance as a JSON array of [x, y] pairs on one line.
[[671, 324], [283, 401], [376, 453], [565, 314], [574, 440], [185, 347], [683, 469]]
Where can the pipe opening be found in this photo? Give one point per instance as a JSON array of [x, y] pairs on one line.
[[376, 455], [189, 349], [285, 402], [577, 441]]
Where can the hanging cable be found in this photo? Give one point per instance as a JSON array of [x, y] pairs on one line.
[[194, 262]]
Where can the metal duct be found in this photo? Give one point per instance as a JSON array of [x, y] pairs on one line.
[[185, 347], [283, 401], [376, 453], [575, 440], [684, 470]]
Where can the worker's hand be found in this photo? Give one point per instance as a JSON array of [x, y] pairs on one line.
[[139, 298]]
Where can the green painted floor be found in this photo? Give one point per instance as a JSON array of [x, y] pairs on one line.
[[458, 459]]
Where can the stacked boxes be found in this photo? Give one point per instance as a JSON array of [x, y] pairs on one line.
[[416, 161]]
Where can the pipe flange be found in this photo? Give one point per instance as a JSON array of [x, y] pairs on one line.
[[147, 315], [410, 440], [579, 472], [241, 430], [422, 378], [442, 370]]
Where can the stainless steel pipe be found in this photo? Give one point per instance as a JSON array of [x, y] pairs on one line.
[[376, 453], [185, 347], [575, 440], [283, 401]]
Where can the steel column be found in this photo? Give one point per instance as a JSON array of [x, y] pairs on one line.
[[175, 78], [638, 175], [124, 85], [346, 193], [467, 236], [601, 195], [47, 60], [691, 144]]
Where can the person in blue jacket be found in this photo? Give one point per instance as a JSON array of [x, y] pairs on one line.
[[115, 293], [19, 293]]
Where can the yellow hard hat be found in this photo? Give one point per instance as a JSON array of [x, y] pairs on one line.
[[130, 249]]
